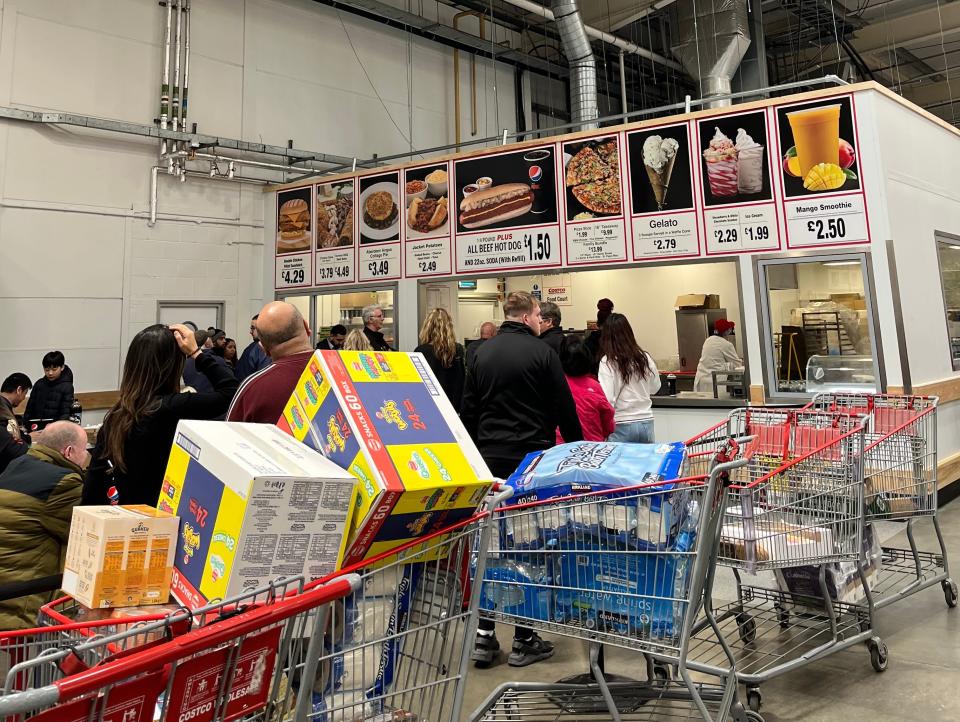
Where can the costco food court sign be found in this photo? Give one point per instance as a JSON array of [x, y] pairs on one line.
[[772, 177]]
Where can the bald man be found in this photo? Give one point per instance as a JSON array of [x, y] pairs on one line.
[[37, 494], [488, 329], [285, 337]]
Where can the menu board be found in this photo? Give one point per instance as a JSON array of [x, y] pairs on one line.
[[595, 228], [823, 197], [506, 215], [426, 198], [787, 175], [335, 254], [663, 212], [379, 223], [736, 186], [294, 260]]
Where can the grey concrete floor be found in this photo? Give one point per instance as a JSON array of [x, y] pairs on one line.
[[922, 681]]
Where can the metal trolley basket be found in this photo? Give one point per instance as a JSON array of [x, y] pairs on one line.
[[387, 640], [900, 484], [795, 511], [70, 638], [631, 568]]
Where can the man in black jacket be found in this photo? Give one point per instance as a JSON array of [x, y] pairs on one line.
[[14, 392], [551, 331], [253, 358], [52, 395], [515, 398]]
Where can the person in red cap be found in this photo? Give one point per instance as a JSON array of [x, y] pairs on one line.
[[718, 354]]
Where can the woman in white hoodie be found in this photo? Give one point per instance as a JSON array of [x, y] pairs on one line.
[[629, 377]]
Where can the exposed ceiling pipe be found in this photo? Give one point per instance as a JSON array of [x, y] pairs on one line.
[[165, 78], [714, 37], [583, 66], [597, 34]]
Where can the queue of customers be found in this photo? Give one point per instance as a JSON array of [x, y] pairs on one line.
[[523, 387]]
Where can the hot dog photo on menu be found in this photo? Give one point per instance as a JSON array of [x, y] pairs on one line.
[[591, 170], [293, 220], [506, 190], [380, 208], [426, 195]]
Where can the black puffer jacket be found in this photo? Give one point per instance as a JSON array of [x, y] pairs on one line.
[[516, 396], [51, 399]]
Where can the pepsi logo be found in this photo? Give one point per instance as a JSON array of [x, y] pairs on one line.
[[535, 172]]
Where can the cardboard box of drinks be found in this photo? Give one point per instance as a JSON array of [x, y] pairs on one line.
[[254, 505], [698, 300], [120, 556], [384, 417]]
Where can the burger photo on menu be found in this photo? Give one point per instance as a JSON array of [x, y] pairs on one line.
[[379, 212], [660, 169], [335, 215], [506, 190], [427, 191], [735, 161], [293, 220], [592, 179]]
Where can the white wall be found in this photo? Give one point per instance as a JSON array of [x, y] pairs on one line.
[[646, 296], [922, 197], [81, 269]]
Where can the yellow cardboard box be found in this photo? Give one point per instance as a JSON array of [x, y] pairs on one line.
[[255, 506], [120, 556], [384, 417]]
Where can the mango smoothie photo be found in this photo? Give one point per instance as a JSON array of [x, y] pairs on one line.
[[816, 135]]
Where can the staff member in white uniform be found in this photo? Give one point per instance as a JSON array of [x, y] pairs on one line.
[[718, 354]]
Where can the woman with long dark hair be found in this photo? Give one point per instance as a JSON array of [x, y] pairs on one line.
[[134, 442], [438, 344], [629, 378]]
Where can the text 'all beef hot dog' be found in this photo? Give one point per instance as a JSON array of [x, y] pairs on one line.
[[495, 204]]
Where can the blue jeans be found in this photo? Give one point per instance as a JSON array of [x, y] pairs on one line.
[[637, 432]]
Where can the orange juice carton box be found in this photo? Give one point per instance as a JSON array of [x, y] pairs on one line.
[[120, 556]]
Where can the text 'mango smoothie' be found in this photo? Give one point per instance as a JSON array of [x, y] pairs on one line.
[[816, 134]]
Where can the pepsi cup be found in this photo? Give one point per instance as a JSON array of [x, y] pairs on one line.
[[536, 160]]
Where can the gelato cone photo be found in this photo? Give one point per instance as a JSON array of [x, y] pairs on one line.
[[659, 158], [722, 167]]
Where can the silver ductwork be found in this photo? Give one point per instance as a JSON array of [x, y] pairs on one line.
[[713, 38], [583, 67]]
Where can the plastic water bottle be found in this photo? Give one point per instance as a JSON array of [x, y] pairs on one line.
[[113, 495], [684, 544]]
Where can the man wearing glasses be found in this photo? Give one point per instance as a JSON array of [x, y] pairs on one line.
[[254, 357]]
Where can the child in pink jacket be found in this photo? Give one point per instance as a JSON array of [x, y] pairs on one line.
[[595, 412]]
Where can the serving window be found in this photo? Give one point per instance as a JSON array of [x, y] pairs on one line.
[[818, 326], [948, 251]]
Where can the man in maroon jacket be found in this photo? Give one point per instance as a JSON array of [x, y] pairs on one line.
[[285, 336]]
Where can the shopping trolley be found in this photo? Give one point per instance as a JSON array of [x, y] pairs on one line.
[[794, 523], [900, 484], [242, 666], [631, 568], [70, 637], [384, 640]]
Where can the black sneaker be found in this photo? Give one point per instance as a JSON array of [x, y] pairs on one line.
[[528, 651], [486, 649]]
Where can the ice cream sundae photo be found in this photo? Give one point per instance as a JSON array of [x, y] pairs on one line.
[[735, 159]]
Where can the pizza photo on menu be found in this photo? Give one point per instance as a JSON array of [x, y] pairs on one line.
[[592, 179]]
